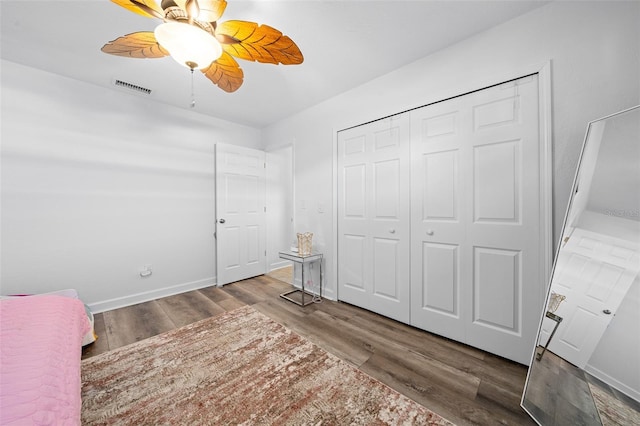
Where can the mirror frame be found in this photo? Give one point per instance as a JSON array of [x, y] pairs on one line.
[[574, 189]]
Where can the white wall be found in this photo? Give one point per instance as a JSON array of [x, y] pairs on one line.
[[97, 183], [616, 359], [593, 49], [279, 205]]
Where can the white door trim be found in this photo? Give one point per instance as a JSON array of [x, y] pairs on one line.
[[332, 278], [274, 248]]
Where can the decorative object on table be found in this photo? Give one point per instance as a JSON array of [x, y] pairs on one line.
[[554, 302], [304, 243], [242, 368]]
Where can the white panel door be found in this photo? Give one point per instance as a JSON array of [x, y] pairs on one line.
[[440, 256], [240, 213], [476, 253], [373, 216], [594, 272]]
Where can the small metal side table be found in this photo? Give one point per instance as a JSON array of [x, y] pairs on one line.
[[297, 258], [558, 320]]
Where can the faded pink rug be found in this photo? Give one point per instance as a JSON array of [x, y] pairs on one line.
[[612, 411], [237, 368]]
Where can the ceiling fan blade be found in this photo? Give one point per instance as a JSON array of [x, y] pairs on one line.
[[148, 8], [193, 10], [261, 43], [137, 45], [210, 10], [225, 73]]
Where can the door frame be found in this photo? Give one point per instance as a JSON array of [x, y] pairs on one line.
[[543, 70], [272, 251]]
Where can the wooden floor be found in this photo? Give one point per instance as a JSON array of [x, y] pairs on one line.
[[558, 393], [463, 384]]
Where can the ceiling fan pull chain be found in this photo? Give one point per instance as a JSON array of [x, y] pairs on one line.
[[193, 96]]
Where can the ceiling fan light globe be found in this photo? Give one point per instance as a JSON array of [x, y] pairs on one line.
[[189, 45]]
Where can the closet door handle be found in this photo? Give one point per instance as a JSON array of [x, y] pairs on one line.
[[222, 221], [429, 232], [392, 231]]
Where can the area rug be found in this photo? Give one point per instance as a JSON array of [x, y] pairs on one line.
[[612, 411], [238, 368]]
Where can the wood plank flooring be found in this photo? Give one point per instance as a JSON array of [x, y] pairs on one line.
[[463, 384], [559, 393]]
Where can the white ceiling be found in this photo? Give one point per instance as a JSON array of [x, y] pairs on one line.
[[344, 43]]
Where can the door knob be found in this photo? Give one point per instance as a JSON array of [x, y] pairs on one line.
[[606, 312], [392, 231], [429, 232], [222, 221]]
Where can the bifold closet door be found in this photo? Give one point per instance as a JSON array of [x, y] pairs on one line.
[[477, 269], [373, 216]]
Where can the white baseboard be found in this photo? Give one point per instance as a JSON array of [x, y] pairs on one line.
[[146, 296], [329, 294], [132, 299], [279, 265]]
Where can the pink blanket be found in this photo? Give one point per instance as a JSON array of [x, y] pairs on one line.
[[40, 350]]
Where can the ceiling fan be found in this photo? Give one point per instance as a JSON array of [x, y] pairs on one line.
[[191, 34]]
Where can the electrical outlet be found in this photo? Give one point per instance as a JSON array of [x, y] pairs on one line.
[[146, 271]]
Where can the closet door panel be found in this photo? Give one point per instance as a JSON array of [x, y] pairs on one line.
[[373, 209], [476, 187], [386, 273], [353, 265], [354, 191], [504, 230], [386, 190], [497, 179], [496, 288], [441, 192], [441, 272], [438, 213]]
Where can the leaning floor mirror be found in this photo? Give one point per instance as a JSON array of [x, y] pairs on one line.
[[585, 367]]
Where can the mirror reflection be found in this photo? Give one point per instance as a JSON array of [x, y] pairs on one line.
[[586, 365]]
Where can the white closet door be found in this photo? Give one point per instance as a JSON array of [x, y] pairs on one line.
[[373, 216], [439, 213], [476, 252]]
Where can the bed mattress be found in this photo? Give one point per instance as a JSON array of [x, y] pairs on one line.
[[40, 351]]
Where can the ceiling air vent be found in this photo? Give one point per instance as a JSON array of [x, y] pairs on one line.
[[132, 86]]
